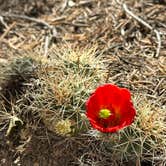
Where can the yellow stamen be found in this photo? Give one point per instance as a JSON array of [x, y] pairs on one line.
[[104, 113]]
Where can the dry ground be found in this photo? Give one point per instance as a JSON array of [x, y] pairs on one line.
[[132, 34]]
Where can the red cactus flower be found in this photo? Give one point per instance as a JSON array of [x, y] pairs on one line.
[[110, 109]]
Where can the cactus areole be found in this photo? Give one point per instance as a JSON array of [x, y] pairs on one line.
[[110, 109]]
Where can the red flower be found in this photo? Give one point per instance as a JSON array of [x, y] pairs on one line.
[[110, 109]]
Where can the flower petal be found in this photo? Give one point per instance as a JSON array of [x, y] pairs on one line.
[[118, 101]]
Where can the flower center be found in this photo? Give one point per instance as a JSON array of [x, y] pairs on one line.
[[104, 113]]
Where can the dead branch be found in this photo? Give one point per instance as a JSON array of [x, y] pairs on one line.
[[147, 25], [7, 30], [39, 21], [3, 22]]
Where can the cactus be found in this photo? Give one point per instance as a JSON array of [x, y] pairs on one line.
[[144, 140], [13, 78], [54, 91], [69, 78], [14, 75], [64, 82]]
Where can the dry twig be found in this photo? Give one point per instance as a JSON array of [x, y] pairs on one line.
[[27, 18], [3, 22], [46, 45], [7, 30], [64, 5], [147, 25], [51, 27]]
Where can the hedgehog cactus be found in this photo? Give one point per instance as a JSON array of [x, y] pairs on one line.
[[54, 90], [69, 78], [62, 84], [14, 75], [142, 141]]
